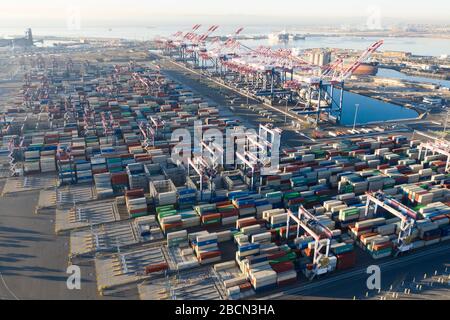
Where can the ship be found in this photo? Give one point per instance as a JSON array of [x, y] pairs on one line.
[[279, 36], [367, 69], [296, 36]]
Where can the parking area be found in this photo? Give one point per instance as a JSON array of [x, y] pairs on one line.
[[103, 237], [126, 266], [199, 284], [109, 236], [67, 195], [31, 183], [85, 215]]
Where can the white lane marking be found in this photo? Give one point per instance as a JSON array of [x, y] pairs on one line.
[[7, 288]]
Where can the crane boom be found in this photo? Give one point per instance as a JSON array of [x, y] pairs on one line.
[[366, 55]]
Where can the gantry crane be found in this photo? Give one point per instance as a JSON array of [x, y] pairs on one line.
[[334, 74], [438, 146], [11, 156], [207, 163], [218, 51], [204, 170], [322, 239], [406, 215], [107, 124], [149, 130], [275, 73], [260, 153]]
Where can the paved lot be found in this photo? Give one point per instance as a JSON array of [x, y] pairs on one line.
[[33, 260]]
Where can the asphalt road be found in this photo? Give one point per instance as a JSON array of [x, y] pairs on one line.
[[352, 284], [218, 95], [393, 279]]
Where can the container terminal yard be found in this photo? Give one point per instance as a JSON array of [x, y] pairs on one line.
[[271, 196]]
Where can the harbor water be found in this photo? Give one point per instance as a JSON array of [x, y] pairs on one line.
[[394, 74], [370, 110]]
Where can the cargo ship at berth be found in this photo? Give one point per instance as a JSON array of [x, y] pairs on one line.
[[279, 36], [285, 36], [367, 69]]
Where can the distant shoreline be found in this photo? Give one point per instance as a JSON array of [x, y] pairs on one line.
[[306, 34]]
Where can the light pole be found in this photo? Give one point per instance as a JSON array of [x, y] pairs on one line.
[[285, 115], [446, 122], [356, 115]]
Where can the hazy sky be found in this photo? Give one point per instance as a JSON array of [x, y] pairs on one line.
[[115, 12]]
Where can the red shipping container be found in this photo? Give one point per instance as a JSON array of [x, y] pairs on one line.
[[223, 204], [346, 260], [276, 255], [291, 169], [362, 228], [209, 255], [282, 266], [119, 178], [134, 193], [296, 201], [133, 144], [156, 268], [233, 213], [245, 206], [367, 235], [211, 216], [173, 225], [361, 167], [243, 224], [96, 171], [437, 218], [245, 286], [138, 211], [382, 246], [323, 192]]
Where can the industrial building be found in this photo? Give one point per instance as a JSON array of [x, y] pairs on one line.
[[26, 41]]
